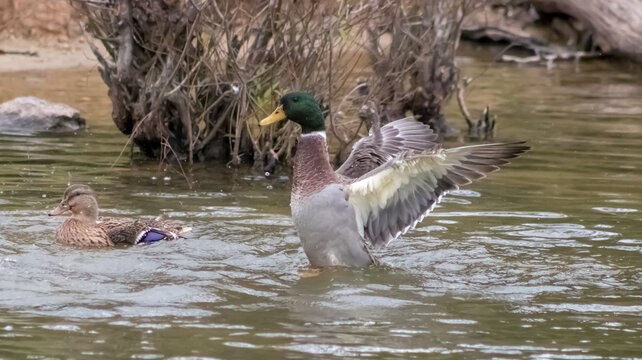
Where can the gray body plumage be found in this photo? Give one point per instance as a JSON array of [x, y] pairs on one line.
[[327, 227]]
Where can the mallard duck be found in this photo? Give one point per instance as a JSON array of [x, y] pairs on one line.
[[390, 181], [86, 229]]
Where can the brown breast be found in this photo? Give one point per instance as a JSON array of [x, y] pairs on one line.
[[312, 170], [76, 233]]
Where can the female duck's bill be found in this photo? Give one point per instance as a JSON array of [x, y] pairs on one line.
[[74, 193]]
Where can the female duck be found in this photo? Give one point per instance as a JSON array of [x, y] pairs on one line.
[[390, 181], [86, 229]]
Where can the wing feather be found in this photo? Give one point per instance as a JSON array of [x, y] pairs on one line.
[[395, 197], [404, 135]]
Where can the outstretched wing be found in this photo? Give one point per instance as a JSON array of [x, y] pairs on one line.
[[396, 196], [405, 135]]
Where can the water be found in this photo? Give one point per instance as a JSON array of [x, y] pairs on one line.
[[541, 260]]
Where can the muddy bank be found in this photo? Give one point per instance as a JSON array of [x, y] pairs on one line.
[[69, 54], [44, 20], [51, 29]]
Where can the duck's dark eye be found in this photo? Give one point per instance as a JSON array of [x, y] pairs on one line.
[[295, 99]]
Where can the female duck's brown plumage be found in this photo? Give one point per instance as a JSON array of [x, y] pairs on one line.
[[86, 229]]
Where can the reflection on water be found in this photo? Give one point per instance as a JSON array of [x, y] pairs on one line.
[[541, 260]]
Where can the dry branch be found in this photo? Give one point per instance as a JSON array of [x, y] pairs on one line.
[[415, 71]]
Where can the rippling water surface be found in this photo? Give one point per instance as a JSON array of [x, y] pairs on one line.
[[541, 260]]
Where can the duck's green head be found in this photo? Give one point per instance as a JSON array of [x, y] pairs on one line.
[[301, 108]]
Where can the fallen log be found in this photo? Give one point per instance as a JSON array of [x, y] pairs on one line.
[[542, 53], [616, 24]]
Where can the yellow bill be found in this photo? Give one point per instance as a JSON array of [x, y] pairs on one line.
[[276, 116]]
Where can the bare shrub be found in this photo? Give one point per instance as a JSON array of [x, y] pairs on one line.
[[190, 79]]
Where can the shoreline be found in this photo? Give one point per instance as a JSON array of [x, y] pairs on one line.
[[64, 55]]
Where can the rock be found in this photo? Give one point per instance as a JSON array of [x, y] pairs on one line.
[[31, 115]]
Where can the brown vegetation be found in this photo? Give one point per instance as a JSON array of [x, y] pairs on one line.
[[416, 72], [189, 80]]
